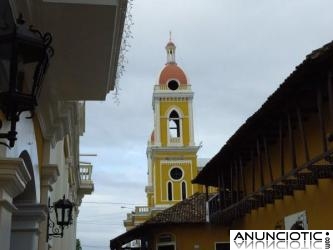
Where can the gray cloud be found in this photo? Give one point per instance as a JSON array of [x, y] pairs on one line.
[[235, 53]]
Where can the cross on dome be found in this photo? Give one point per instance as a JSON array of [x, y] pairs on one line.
[[171, 70], [171, 51]]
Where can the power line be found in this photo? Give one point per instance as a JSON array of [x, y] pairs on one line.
[[111, 203], [100, 224]]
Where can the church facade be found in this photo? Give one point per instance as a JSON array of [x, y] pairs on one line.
[[171, 150]]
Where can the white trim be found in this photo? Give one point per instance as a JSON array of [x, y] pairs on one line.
[[190, 149], [155, 188], [157, 123], [191, 125], [175, 162], [185, 96]]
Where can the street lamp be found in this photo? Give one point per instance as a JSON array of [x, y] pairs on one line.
[[21, 45], [63, 212]]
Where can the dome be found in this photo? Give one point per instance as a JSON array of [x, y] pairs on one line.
[[172, 72]]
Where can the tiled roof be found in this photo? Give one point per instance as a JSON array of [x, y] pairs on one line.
[[190, 210]]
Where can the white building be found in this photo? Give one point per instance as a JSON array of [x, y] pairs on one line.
[[42, 163]]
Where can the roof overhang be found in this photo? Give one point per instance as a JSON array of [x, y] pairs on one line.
[[87, 36]]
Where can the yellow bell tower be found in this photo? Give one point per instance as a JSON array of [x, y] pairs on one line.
[[171, 151]]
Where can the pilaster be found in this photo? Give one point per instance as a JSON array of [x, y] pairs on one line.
[[25, 227], [14, 177]]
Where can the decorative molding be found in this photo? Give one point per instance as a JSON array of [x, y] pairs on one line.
[[13, 176], [175, 162], [49, 175], [30, 212], [190, 149], [7, 205]]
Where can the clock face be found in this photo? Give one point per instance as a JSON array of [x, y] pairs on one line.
[[173, 85], [176, 173]]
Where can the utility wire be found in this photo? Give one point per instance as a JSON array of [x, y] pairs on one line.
[[110, 203]]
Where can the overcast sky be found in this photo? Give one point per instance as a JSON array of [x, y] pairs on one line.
[[235, 54]]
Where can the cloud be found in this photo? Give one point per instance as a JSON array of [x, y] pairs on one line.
[[235, 53]]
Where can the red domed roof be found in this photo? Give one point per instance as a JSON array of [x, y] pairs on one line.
[[172, 71]]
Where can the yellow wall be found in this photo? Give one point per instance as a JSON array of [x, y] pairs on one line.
[[315, 148], [161, 175], [315, 200]]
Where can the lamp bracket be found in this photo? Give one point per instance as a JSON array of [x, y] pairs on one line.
[[14, 101], [56, 229]]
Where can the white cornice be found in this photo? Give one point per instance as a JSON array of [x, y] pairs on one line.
[[192, 149], [164, 94], [13, 175], [30, 211]]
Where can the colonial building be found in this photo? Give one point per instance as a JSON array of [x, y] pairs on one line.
[[276, 171], [171, 150], [182, 226], [69, 55]]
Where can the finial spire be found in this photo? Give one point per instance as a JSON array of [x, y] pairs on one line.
[[171, 50]]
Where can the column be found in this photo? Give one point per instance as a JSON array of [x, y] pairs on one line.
[[13, 179], [25, 225]]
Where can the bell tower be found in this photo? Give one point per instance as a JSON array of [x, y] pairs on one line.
[[171, 151]]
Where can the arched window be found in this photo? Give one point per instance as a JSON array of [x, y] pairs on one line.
[[169, 191], [174, 124], [184, 190]]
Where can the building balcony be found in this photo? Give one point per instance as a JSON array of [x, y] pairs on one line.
[[86, 183], [175, 141], [142, 210], [227, 206]]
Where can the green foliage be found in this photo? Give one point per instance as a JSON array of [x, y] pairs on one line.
[[78, 245]]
